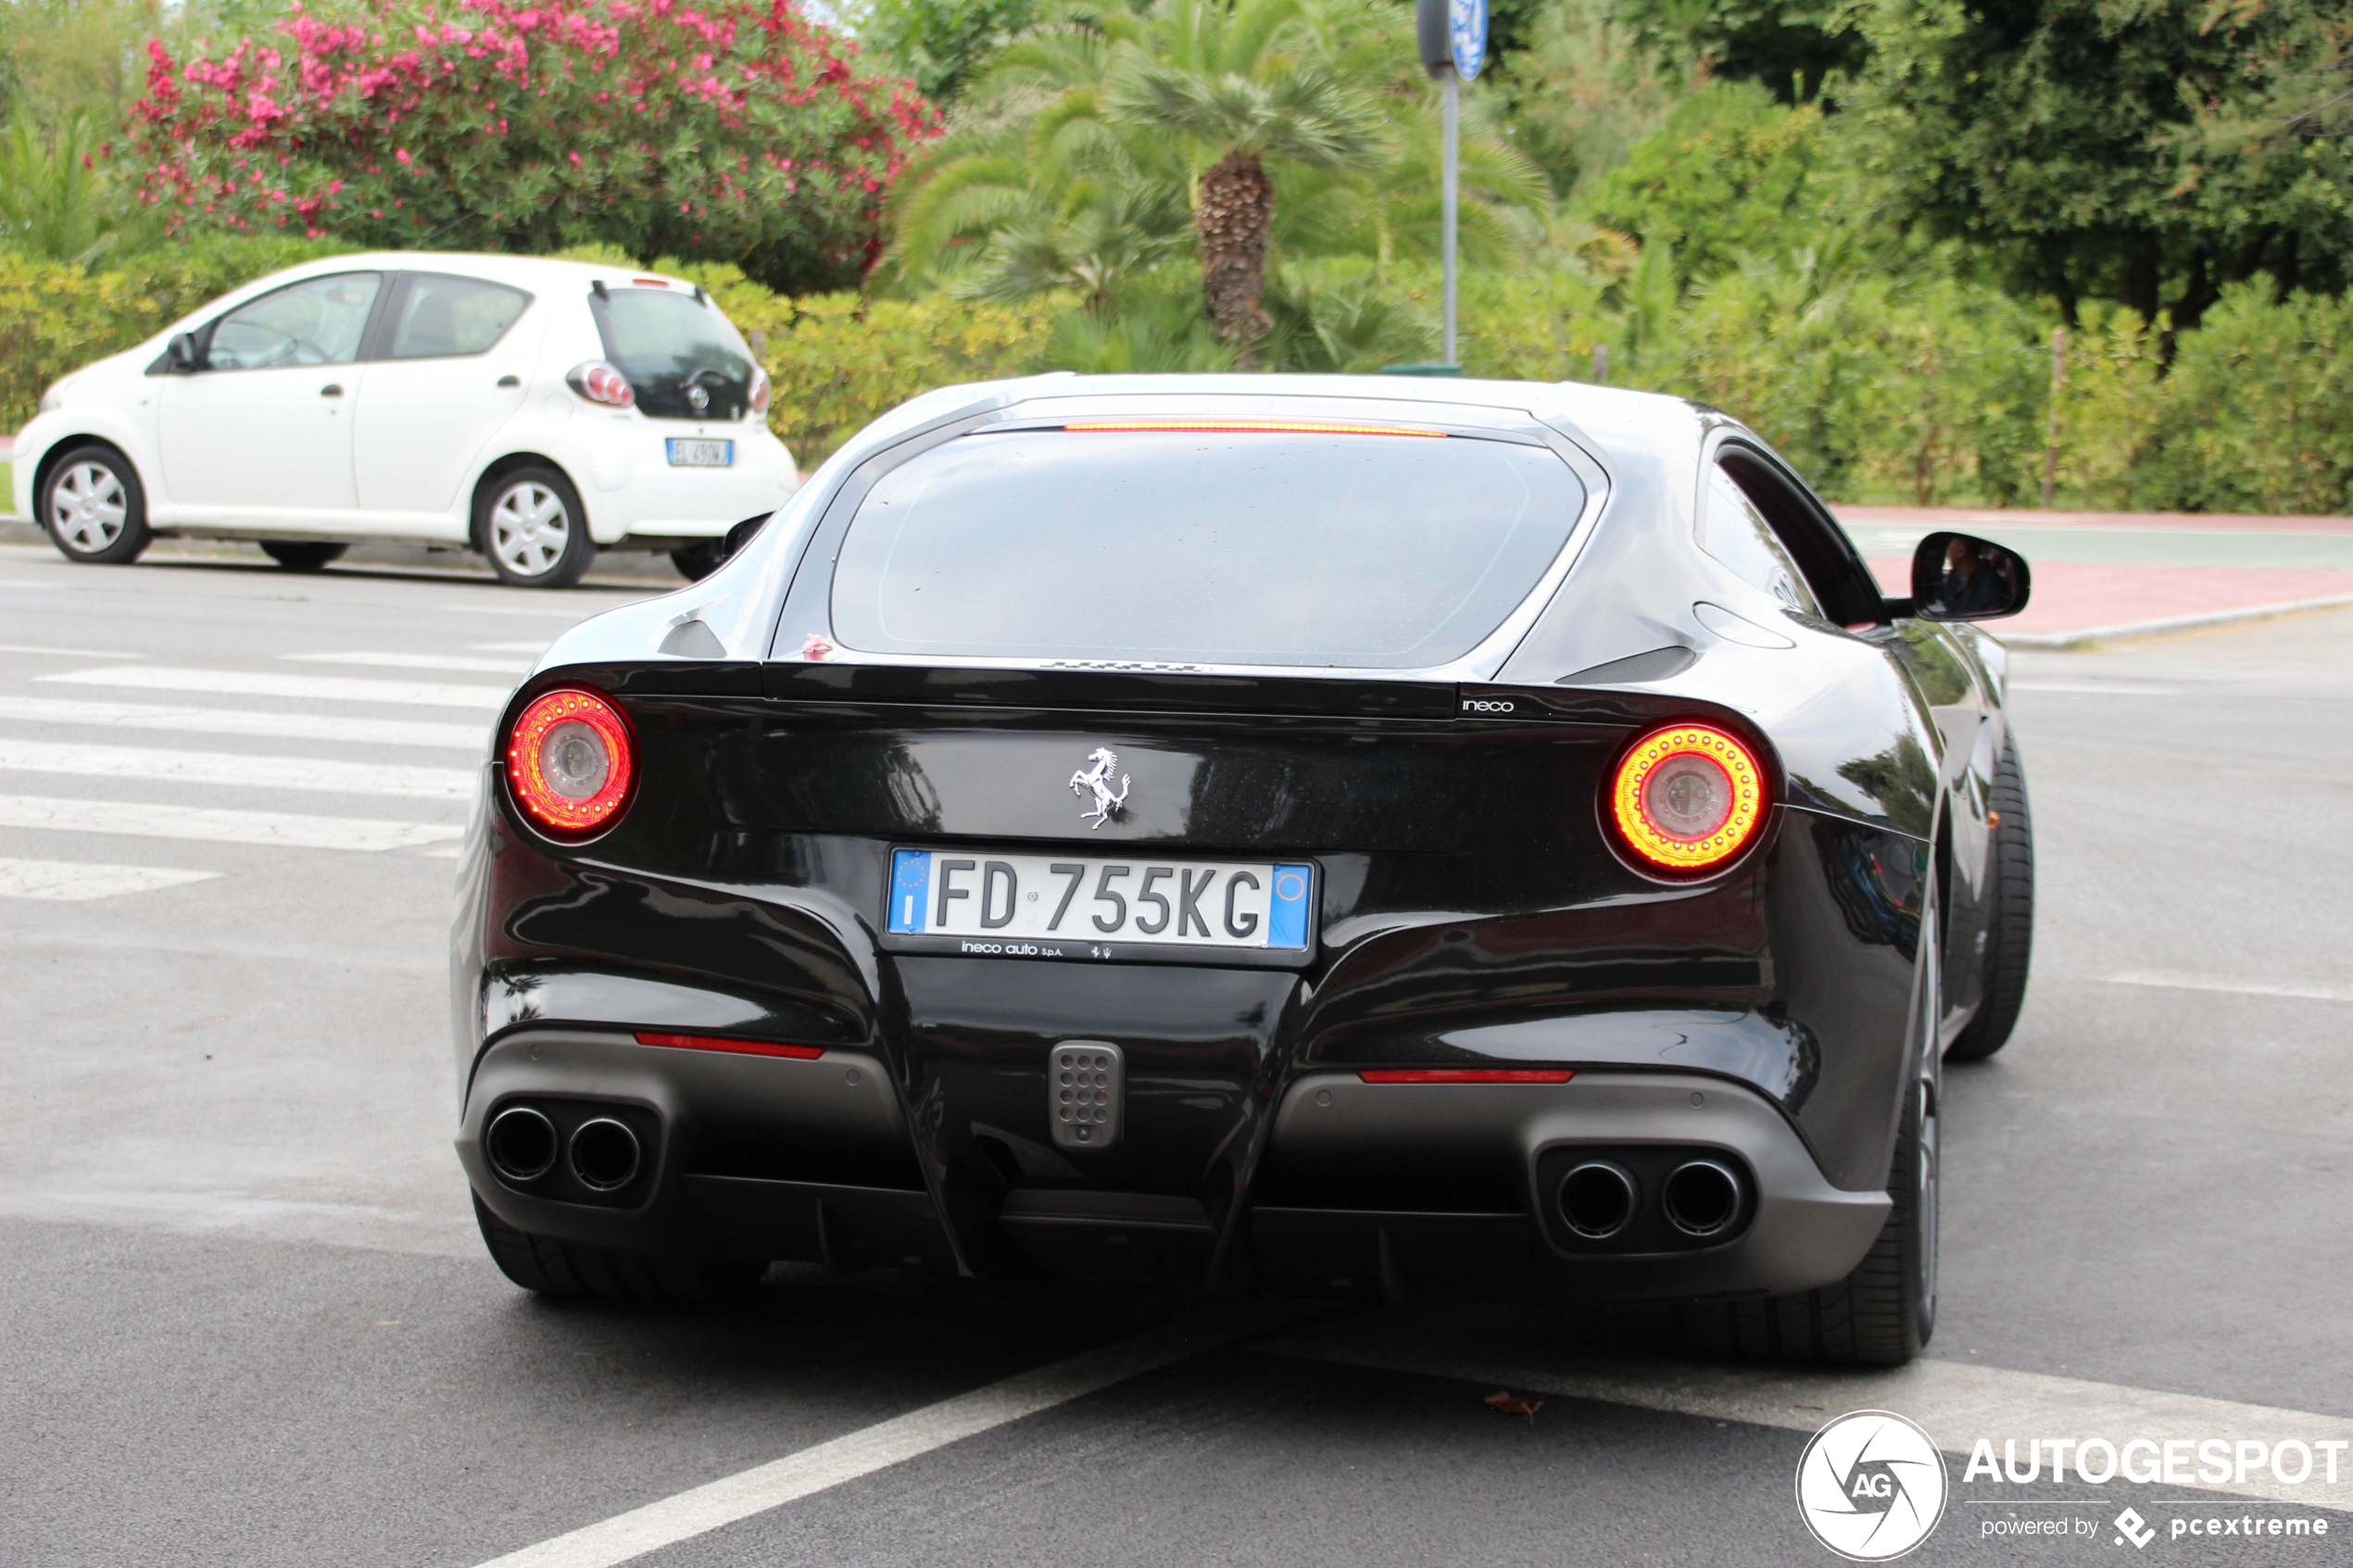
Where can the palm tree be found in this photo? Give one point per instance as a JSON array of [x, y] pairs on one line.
[[1244, 81]]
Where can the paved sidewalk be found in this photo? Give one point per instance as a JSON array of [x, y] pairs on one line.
[[2107, 573]]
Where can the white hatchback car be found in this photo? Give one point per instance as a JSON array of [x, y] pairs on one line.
[[535, 410]]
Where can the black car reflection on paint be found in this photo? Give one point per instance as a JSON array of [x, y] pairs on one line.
[[706, 1019]]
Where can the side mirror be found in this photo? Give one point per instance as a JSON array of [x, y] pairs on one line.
[[741, 535], [180, 355], [1960, 577]]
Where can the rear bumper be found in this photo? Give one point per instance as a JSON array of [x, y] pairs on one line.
[[763, 1157], [1800, 1233]]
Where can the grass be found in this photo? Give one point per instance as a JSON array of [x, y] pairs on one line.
[[8, 491]]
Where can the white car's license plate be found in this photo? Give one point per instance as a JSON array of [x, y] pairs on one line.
[[1060, 906], [686, 453]]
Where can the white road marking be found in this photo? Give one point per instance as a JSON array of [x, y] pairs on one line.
[[63, 653], [2096, 688], [2298, 991], [1956, 1404], [722, 1502], [473, 738], [443, 852], [235, 769], [69, 880], [131, 820], [534, 646], [310, 688], [417, 661]]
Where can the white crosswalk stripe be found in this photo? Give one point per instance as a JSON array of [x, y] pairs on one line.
[[272, 723], [235, 769], [313, 688], [72, 881], [453, 662], [142, 821], [62, 653]]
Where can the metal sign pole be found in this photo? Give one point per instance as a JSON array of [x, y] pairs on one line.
[[1450, 193]]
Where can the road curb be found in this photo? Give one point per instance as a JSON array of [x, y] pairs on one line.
[[2167, 624]]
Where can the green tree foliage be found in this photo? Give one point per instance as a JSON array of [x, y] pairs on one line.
[[1793, 48], [2149, 153], [1731, 172], [1106, 142], [940, 43], [1584, 89], [57, 200]]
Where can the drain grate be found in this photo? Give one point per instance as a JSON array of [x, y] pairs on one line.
[[1086, 1089]]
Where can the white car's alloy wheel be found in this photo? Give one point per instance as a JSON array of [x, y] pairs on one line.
[[529, 529], [87, 507]]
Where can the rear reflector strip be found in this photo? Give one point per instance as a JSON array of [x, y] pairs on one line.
[[1466, 1076], [740, 1047], [1296, 427]]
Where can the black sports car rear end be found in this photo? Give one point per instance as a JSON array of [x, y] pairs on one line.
[[1493, 838]]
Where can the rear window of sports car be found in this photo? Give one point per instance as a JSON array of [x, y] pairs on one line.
[[1364, 551]]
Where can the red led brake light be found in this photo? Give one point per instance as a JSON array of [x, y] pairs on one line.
[[651, 282], [1299, 427], [739, 1048], [1467, 1074]]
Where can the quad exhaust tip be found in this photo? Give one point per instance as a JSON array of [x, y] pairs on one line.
[[1702, 1197], [605, 1154], [521, 1144], [1597, 1200]]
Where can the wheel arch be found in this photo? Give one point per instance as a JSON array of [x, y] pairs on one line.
[[498, 469], [55, 453]]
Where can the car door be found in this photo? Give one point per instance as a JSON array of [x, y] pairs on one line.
[[260, 430], [451, 366]]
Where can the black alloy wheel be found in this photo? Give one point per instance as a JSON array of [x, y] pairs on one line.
[[297, 555], [94, 507], [1883, 1313], [2009, 932]]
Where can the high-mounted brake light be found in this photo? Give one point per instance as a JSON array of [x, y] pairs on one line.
[[600, 383], [570, 758], [1300, 427], [730, 1044], [1687, 797], [1466, 1075]]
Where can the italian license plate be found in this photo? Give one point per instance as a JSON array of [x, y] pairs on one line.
[[1055, 906], [686, 453]]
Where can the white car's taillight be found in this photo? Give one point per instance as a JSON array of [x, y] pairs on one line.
[[759, 392], [600, 383]]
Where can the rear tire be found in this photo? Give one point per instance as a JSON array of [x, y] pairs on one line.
[[2009, 932], [1880, 1315], [94, 507], [547, 1267], [530, 523], [300, 555]]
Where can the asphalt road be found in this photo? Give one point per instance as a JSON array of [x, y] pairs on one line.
[[244, 1320]]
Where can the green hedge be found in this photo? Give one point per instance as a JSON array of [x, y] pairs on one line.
[[1924, 393]]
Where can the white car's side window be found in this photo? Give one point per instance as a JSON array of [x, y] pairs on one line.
[[441, 317], [1734, 531], [317, 323]]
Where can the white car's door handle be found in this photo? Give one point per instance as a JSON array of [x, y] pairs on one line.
[[510, 380], [330, 390]]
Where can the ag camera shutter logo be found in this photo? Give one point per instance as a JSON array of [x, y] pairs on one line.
[[1870, 1486]]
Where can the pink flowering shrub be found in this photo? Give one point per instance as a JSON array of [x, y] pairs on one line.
[[728, 130]]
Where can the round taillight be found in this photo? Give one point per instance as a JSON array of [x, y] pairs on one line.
[[600, 383], [568, 759], [1687, 797]]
